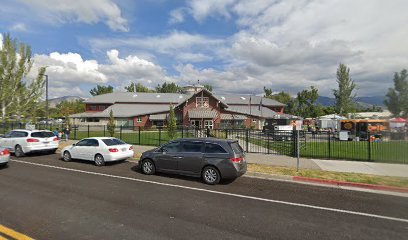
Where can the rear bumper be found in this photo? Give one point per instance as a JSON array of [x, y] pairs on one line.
[[4, 159], [40, 148], [233, 172], [119, 156]]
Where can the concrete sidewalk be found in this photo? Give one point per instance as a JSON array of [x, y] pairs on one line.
[[382, 169]]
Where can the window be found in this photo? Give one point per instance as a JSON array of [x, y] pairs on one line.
[[92, 107], [101, 108], [208, 124], [236, 148], [82, 143], [16, 134], [214, 148], [192, 147], [139, 119], [202, 102], [93, 143], [254, 120], [172, 147], [113, 141], [42, 134]]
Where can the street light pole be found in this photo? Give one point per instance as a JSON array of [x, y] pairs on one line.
[[46, 97]]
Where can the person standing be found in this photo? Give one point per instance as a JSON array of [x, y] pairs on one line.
[[66, 133]]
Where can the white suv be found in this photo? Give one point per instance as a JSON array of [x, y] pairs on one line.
[[21, 141]]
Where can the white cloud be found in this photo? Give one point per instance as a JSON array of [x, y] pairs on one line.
[[19, 27], [201, 9], [89, 11], [177, 15]]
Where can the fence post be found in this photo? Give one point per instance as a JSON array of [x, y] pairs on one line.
[[104, 131], [369, 145], [88, 130], [182, 131], [329, 142], [208, 132], [247, 139], [120, 132], [267, 139], [75, 130], [159, 136], [226, 133], [294, 143], [139, 135]]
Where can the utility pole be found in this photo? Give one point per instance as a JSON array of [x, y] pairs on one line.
[[46, 98]]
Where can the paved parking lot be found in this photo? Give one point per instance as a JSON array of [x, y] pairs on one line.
[[46, 198]]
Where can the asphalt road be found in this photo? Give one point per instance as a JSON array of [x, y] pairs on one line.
[[46, 198]]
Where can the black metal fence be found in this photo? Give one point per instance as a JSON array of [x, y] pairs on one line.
[[391, 147]]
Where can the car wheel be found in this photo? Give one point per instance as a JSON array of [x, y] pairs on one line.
[[99, 160], [67, 156], [211, 175], [18, 151], [148, 167]]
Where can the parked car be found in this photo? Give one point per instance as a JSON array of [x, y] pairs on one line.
[[22, 141], [99, 150], [209, 158], [4, 156]]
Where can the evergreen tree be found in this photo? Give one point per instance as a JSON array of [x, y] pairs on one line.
[[18, 95], [111, 124], [172, 125], [397, 97], [101, 89], [168, 88], [344, 95], [139, 88]]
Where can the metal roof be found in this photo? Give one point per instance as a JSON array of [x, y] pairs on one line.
[[263, 112], [237, 99], [126, 110], [130, 97], [202, 113], [177, 98], [228, 116]]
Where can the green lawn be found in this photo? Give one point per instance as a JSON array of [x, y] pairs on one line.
[[388, 152]]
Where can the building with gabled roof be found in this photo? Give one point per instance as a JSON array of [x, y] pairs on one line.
[[196, 106]]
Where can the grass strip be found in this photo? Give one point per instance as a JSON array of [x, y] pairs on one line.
[[326, 175]]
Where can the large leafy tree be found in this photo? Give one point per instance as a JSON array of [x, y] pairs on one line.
[[306, 103], [344, 95], [282, 96], [168, 88], [18, 94], [101, 89], [208, 87], [397, 97], [111, 124], [139, 88]]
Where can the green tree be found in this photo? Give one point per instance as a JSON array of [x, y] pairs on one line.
[[172, 125], [397, 97], [168, 88], [111, 124], [282, 97], [139, 88], [344, 96], [208, 87], [18, 95], [101, 89], [304, 104]]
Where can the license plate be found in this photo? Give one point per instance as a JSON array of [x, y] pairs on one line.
[[123, 149], [46, 142]]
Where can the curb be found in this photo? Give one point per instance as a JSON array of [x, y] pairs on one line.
[[351, 184]]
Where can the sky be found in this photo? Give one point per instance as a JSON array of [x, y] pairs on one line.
[[237, 46]]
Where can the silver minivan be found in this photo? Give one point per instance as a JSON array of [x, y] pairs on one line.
[[209, 158]]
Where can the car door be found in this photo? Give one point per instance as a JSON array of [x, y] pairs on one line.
[[167, 157], [191, 157], [5, 141], [91, 149], [77, 151]]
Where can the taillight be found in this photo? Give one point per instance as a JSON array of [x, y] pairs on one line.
[[4, 152], [235, 160], [131, 148], [32, 140], [55, 139], [113, 150]]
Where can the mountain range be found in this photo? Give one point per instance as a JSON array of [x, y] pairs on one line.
[[363, 102], [53, 102]]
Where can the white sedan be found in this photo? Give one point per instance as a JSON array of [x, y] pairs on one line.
[[4, 156], [99, 150]]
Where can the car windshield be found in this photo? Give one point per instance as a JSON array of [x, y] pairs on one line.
[[113, 141], [42, 134]]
